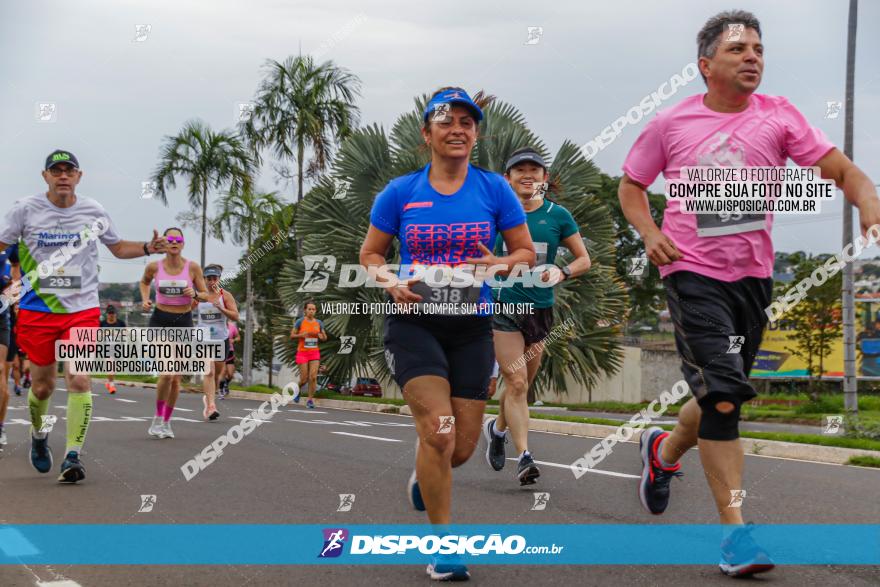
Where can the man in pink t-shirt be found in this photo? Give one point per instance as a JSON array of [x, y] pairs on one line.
[[718, 270]]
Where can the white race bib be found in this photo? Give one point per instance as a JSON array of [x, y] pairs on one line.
[[64, 280], [172, 287], [540, 252]]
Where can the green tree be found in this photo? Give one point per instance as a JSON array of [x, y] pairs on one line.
[[646, 294], [299, 105], [336, 226], [208, 160], [243, 216], [270, 251], [816, 319]]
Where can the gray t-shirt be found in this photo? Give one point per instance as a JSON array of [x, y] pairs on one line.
[[64, 240]]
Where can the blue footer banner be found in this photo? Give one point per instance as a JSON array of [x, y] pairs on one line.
[[352, 544]]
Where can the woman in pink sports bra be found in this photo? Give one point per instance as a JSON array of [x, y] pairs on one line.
[[178, 282]]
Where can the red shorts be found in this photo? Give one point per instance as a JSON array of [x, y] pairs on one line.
[[308, 355], [36, 332]]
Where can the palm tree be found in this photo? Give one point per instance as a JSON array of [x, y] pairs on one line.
[[369, 158], [301, 105], [208, 160], [243, 216]]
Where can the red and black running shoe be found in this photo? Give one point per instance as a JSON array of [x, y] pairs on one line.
[[654, 486]]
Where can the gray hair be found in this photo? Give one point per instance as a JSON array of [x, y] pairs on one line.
[[709, 36]]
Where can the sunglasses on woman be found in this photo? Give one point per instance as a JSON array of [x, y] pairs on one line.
[[174, 239]]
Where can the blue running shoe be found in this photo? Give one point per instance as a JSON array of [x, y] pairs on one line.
[[741, 556], [71, 469], [310, 404], [526, 470], [447, 568], [41, 454], [414, 493], [495, 455]]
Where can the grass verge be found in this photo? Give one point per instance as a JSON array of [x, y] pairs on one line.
[[864, 462]]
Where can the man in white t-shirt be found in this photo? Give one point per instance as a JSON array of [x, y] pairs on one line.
[[56, 232]]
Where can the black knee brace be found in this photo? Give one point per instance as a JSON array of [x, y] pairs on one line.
[[716, 425]]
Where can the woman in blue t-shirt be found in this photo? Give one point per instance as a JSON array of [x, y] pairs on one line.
[[445, 215]]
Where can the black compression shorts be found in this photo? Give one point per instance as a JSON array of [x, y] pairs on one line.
[[459, 349]]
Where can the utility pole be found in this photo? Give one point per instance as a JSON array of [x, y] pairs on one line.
[[850, 381]]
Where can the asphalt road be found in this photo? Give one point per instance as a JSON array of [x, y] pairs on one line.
[[751, 426], [292, 470]]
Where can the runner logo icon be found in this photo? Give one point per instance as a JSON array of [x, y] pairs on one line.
[[446, 423], [317, 272], [334, 540], [346, 345], [736, 343], [832, 424], [346, 500], [832, 109], [637, 266], [735, 31], [541, 501], [48, 422], [441, 111], [736, 498], [147, 503]]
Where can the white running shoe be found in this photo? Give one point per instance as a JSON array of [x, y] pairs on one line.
[[2, 439], [166, 431], [156, 427]]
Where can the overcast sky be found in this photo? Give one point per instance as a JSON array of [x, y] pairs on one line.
[[117, 98]]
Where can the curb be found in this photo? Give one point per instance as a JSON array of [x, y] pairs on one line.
[[834, 455], [153, 386], [329, 403], [766, 448]]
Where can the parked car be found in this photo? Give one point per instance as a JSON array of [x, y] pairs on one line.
[[365, 386]]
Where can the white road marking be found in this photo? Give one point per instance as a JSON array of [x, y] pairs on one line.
[[128, 401], [176, 409], [597, 471], [62, 583], [370, 437], [300, 411], [351, 423], [241, 418]]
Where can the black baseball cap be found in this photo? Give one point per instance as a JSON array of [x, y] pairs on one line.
[[111, 309], [529, 155], [61, 156]]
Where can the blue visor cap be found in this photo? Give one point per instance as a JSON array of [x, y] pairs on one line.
[[453, 97]]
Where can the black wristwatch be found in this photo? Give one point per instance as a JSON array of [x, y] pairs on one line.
[[146, 251], [567, 272]]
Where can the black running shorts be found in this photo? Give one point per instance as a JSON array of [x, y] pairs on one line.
[[534, 327], [457, 348], [709, 317], [163, 319], [5, 331]]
